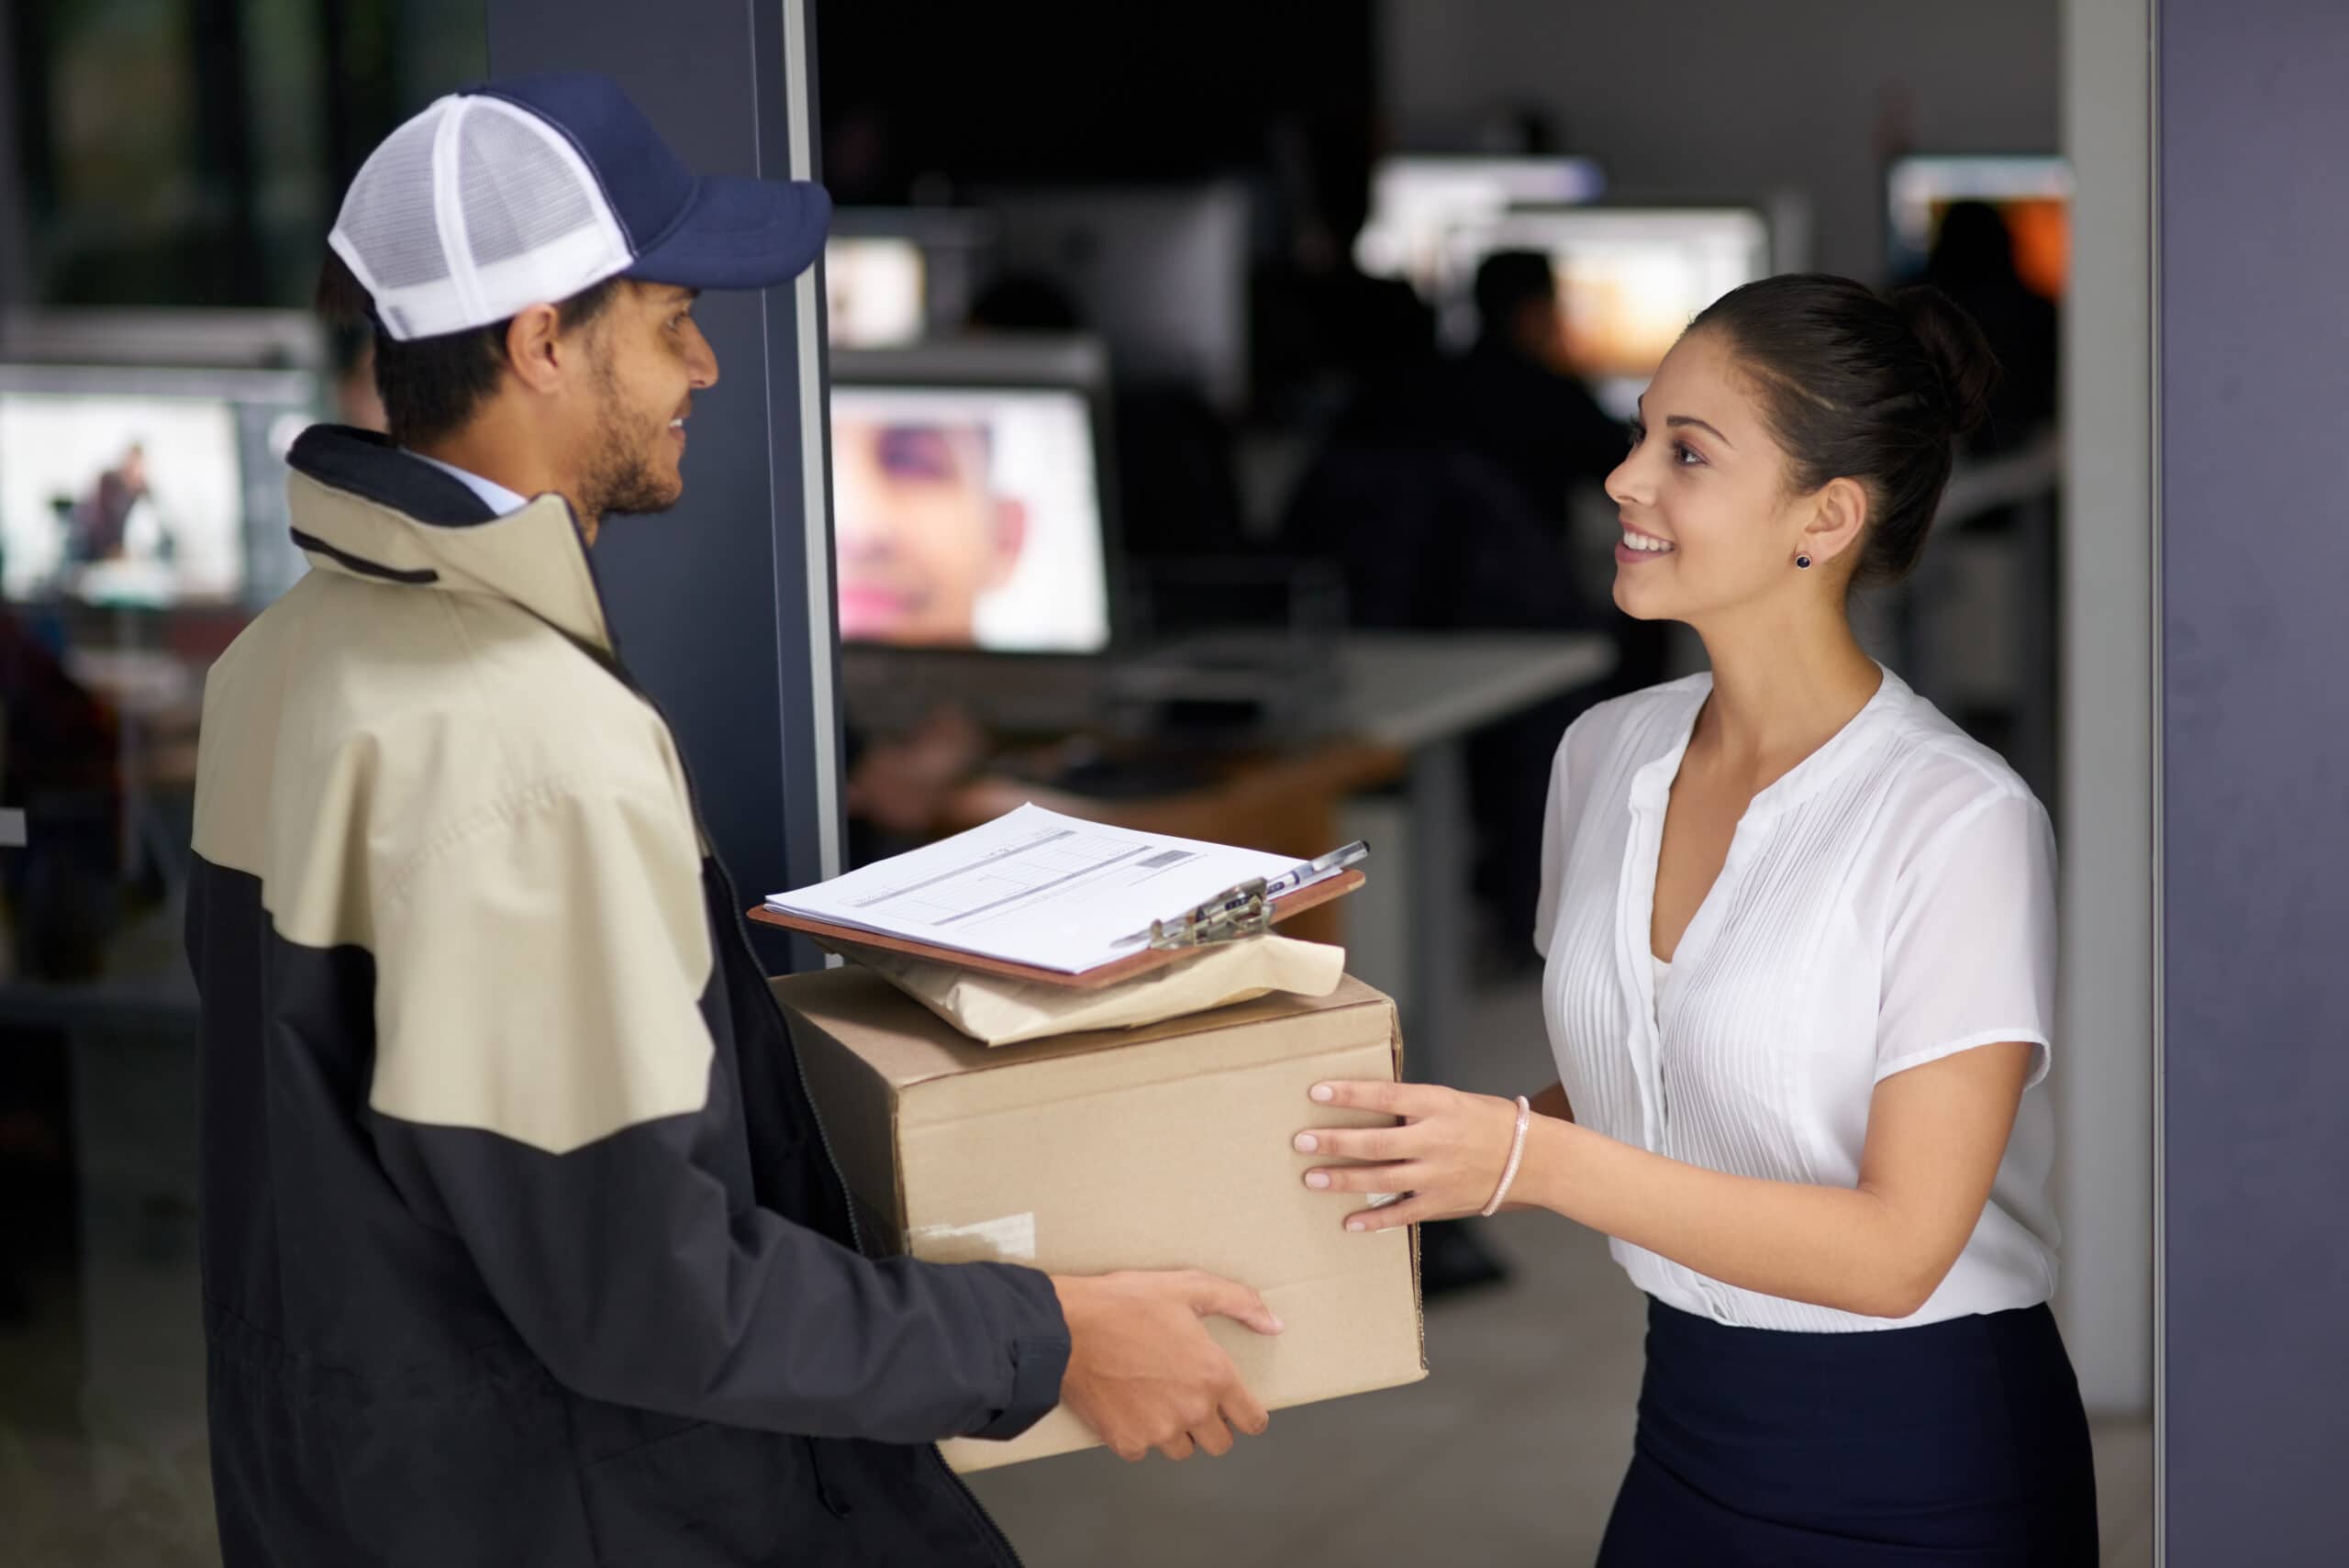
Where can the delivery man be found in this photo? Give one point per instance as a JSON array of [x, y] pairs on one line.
[[522, 1241]]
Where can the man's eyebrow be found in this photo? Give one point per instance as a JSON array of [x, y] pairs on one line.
[[1678, 420]]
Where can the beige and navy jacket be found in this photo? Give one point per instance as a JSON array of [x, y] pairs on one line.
[[520, 1243]]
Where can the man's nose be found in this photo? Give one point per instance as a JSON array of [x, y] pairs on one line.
[[701, 363]]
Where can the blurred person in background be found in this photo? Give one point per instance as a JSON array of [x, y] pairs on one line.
[[1800, 936], [1516, 396], [521, 1240], [102, 519]]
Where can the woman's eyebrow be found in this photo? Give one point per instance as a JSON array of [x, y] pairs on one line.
[[1677, 420]]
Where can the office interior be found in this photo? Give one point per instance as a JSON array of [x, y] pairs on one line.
[[1217, 413]]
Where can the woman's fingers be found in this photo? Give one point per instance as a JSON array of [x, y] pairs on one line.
[[1359, 1143], [1409, 1211], [1391, 1099], [1392, 1178]]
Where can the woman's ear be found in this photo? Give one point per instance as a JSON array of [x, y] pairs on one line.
[[1837, 519]]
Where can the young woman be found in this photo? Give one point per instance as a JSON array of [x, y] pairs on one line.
[[1801, 934]]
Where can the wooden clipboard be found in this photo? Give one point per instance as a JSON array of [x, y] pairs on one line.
[[846, 939]]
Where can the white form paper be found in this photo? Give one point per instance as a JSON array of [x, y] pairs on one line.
[[1033, 887]]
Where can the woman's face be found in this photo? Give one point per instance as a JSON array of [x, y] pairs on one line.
[[1711, 523]]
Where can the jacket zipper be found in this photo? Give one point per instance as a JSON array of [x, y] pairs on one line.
[[814, 1112]]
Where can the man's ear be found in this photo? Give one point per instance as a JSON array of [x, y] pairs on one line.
[[535, 351], [1837, 520], [1011, 539]]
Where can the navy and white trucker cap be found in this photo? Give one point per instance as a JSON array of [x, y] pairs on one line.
[[526, 190]]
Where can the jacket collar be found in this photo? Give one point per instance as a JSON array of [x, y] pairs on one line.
[[364, 508]]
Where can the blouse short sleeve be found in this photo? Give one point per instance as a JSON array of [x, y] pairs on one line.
[[1969, 957]]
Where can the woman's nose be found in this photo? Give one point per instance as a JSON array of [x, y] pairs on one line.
[[1624, 487]]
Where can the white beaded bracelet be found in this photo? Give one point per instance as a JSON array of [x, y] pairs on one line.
[[1516, 1153]]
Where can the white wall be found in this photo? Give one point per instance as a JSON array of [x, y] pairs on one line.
[[1737, 98], [2105, 1094]]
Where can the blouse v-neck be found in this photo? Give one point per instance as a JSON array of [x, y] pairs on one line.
[[1652, 792]]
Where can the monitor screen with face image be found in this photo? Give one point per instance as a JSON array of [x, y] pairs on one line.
[[969, 517], [1416, 200], [1630, 279], [2031, 194], [147, 486]]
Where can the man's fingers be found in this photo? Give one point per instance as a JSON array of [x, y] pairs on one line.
[[1177, 1448], [1241, 1409], [1372, 1094], [1212, 1438], [1226, 1298], [1400, 1178]]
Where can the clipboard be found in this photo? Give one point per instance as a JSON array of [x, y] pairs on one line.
[[846, 939]]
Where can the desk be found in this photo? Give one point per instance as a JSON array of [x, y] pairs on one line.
[[1420, 696]]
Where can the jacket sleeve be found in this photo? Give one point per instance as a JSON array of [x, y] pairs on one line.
[[543, 1089]]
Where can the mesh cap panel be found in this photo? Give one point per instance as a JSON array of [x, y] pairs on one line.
[[470, 212], [515, 190], [388, 217]]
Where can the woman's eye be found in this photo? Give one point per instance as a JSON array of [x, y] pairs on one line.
[[1685, 455], [1634, 434]]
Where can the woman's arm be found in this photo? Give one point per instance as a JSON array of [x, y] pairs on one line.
[[1881, 1249]]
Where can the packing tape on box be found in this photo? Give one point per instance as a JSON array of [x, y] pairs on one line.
[[1009, 1239], [996, 1011]]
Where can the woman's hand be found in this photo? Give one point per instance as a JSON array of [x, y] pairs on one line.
[[1447, 1155]]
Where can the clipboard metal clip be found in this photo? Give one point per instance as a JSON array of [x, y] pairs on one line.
[[1246, 910], [1242, 911]]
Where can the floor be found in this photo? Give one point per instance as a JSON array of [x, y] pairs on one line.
[[1509, 1452]]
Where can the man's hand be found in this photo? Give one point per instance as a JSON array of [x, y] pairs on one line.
[[1142, 1371]]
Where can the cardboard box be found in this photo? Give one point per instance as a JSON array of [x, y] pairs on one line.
[[1155, 1148]]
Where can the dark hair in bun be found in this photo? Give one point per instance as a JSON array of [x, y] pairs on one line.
[[1861, 386]]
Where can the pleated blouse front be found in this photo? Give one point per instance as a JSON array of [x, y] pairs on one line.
[[1889, 902]]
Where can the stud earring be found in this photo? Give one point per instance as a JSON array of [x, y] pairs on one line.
[[1802, 562]]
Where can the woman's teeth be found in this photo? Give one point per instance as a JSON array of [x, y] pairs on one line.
[[1641, 542]]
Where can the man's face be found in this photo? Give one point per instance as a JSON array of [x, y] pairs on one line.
[[922, 534], [649, 357]]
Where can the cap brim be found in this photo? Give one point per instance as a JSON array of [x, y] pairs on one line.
[[740, 234]]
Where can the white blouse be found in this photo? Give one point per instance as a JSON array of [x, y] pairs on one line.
[[1888, 902]]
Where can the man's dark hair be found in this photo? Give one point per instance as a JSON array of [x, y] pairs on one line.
[[430, 386], [1507, 283]]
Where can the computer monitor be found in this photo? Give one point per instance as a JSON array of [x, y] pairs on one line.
[[1630, 279], [874, 295], [899, 276], [2031, 193], [147, 487], [1160, 273], [1417, 199], [969, 500]]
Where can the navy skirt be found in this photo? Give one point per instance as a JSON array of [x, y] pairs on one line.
[[1962, 1441]]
